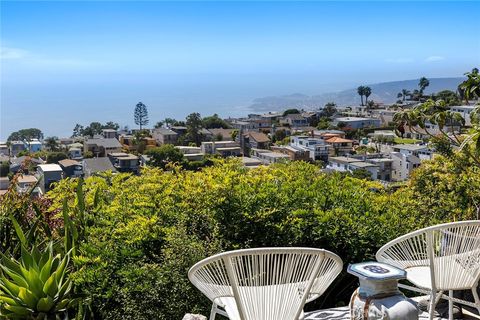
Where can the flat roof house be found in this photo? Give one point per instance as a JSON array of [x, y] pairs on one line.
[[49, 174], [191, 153], [268, 157], [465, 112], [33, 145], [125, 162], [406, 158], [318, 149], [377, 170], [353, 123], [223, 148]]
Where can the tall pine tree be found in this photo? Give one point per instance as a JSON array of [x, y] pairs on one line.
[[141, 115]]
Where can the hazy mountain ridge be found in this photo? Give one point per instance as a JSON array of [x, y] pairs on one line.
[[385, 92]]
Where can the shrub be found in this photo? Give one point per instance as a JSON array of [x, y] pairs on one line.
[[148, 230]]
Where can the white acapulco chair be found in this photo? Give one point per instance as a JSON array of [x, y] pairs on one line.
[[441, 258], [265, 283]]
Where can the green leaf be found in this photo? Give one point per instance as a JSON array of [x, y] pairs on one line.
[[18, 230], [45, 272], [64, 289], [12, 287], [18, 279], [45, 304], [19, 310], [28, 297], [8, 300], [51, 286], [10, 263], [26, 259]]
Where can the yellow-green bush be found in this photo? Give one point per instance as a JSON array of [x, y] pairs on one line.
[[149, 230]]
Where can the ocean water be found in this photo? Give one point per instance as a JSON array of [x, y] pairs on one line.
[[56, 106]]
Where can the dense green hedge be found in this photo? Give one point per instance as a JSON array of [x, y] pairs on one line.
[[148, 230]]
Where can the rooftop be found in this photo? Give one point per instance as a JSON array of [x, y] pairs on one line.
[[258, 136], [338, 140], [107, 143], [27, 178], [165, 132], [347, 119], [344, 159], [68, 163], [98, 165], [51, 167], [363, 164], [410, 147]]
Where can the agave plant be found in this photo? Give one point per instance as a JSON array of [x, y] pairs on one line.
[[36, 286]]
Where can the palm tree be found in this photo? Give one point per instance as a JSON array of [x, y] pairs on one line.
[[404, 94], [471, 86], [367, 91], [361, 92], [422, 84], [51, 143]]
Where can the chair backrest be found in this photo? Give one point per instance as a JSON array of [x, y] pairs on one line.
[[266, 283], [450, 250]]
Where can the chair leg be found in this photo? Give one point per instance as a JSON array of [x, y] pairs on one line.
[[477, 299], [213, 312], [450, 305], [433, 303]]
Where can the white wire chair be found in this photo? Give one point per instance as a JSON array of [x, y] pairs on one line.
[[265, 283], [441, 258]]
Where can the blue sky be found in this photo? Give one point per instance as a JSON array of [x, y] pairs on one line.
[[277, 47]]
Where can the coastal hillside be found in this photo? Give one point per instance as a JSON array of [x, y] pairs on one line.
[[385, 92]]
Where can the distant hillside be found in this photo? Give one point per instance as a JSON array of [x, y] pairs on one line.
[[385, 92]]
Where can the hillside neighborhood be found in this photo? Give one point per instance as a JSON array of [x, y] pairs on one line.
[[365, 140]]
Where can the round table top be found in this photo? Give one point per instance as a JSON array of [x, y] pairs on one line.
[[376, 271]]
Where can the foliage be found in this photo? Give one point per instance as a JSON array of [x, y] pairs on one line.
[[328, 110], [194, 125], [141, 115], [323, 123], [51, 143], [290, 111], [449, 97], [159, 124], [148, 230], [447, 187], [404, 94], [214, 122], [88, 155], [93, 128], [422, 84], [437, 113], [398, 140], [4, 168], [25, 134], [279, 135], [36, 286], [54, 157], [471, 86], [361, 174], [361, 93], [164, 155], [367, 91]]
